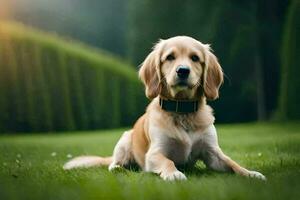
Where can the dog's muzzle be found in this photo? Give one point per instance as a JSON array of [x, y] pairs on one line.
[[183, 72]]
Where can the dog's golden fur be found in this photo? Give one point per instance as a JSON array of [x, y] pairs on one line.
[[160, 140]]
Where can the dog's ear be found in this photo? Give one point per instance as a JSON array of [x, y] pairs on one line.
[[149, 73], [213, 76]]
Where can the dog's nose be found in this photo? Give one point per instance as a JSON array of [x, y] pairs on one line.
[[183, 71]]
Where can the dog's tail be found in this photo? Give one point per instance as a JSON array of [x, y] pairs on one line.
[[87, 161]]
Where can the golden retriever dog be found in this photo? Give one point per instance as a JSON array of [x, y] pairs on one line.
[[180, 74]]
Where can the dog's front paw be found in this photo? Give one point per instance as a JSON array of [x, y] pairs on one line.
[[258, 175], [114, 167], [172, 176]]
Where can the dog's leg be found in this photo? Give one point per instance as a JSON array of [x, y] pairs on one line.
[[215, 159], [122, 152], [156, 162], [218, 161]]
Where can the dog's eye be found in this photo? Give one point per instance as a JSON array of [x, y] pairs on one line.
[[170, 57], [195, 58]]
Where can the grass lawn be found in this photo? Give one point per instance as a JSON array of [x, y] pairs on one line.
[[31, 167]]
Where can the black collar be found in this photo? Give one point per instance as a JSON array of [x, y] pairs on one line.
[[178, 106]]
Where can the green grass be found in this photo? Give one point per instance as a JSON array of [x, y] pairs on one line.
[[28, 171]]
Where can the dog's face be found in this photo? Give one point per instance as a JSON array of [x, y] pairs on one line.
[[181, 68]]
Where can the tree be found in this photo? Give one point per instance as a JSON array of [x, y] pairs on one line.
[[290, 70]]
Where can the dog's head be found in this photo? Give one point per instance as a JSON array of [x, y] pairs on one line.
[[181, 68]]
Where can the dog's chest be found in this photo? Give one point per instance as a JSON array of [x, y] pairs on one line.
[[184, 122], [181, 137], [183, 150], [186, 145]]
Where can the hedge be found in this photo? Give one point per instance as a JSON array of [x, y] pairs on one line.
[[290, 82], [51, 84]]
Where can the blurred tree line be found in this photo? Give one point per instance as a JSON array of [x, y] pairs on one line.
[[48, 84], [290, 81], [256, 42]]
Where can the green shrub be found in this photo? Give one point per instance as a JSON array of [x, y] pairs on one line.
[[48, 84]]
